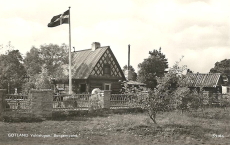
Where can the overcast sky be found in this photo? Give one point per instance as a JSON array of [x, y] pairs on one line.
[[198, 30]]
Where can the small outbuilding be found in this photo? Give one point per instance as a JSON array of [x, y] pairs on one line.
[[210, 82]]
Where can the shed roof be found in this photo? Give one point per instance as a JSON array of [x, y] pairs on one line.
[[203, 80], [135, 83]]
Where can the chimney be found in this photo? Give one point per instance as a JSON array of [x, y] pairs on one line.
[[128, 73], [95, 45]]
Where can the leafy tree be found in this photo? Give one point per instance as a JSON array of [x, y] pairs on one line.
[[134, 74], [44, 63], [168, 93], [42, 79], [52, 56], [222, 67], [152, 67], [33, 62], [12, 70]]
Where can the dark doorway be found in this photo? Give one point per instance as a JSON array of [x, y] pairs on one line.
[[82, 88]]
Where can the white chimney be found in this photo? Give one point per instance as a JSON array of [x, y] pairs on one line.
[[95, 45]]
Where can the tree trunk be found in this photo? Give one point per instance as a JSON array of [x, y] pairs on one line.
[[152, 116]]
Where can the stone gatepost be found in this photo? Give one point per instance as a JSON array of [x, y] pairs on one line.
[[106, 98], [2, 102], [41, 103]]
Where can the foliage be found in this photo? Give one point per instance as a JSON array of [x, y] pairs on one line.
[[191, 100], [134, 74], [166, 94], [95, 100], [126, 89], [26, 87], [44, 63], [53, 56], [221, 67], [42, 79], [12, 70], [33, 62], [152, 67]]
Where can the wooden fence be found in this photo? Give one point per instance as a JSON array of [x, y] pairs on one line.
[[126, 100], [17, 102], [71, 102]]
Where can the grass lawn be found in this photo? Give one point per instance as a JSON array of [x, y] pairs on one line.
[[210, 127]]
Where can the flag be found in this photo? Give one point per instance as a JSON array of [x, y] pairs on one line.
[[59, 19]]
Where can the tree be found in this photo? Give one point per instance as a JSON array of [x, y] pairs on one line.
[[42, 79], [134, 74], [152, 67], [221, 67], [33, 62], [52, 56], [44, 63], [12, 70], [168, 93]]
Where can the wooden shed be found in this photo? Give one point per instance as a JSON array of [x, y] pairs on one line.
[[211, 82], [94, 68]]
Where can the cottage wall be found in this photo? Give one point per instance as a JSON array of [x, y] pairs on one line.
[[115, 85]]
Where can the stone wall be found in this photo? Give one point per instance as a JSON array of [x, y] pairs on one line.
[[106, 99], [2, 102], [41, 103]]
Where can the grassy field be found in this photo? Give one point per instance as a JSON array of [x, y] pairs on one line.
[[209, 127]]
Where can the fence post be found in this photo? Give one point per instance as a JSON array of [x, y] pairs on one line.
[[106, 99], [41, 103], [2, 102]]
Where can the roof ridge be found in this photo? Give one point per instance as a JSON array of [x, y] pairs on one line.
[[90, 49], [82, 50], [203, 74]]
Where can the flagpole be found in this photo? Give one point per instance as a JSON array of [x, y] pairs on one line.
[[70, 75]]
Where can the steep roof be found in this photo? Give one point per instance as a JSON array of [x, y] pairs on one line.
[[203, 80], [84, 61]]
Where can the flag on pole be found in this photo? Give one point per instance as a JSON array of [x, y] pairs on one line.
[[59, 19]]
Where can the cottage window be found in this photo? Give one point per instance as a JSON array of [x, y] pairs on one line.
[[107, 86], [107, 69]]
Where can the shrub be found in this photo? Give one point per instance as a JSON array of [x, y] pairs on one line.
[[95, 100]]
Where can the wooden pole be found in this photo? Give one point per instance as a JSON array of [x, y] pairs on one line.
[[70, 75], [128, 56]]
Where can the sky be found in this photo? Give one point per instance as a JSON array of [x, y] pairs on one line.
[[197, 30]]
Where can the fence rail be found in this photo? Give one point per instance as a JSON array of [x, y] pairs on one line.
[[17, 102], [126, 100], [71, 102]]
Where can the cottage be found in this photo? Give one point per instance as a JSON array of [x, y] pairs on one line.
[[211, 82], [94, 68]]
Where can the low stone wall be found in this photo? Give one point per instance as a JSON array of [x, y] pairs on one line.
[[106, 99], [41, 103], [40, 106], [2, 102]]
